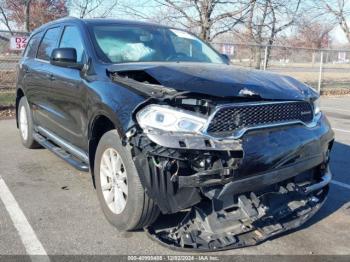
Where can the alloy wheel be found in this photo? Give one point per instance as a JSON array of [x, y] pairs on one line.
[[114, 182], [23, 123]]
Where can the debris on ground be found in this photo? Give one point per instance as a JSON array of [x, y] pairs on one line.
[[7, 112]]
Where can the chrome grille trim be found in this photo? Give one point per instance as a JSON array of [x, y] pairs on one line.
[[237, 133]]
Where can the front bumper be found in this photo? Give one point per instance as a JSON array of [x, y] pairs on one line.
[[255, 220], [269, 181]]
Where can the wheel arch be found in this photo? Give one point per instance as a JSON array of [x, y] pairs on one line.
[[19, 95], [100, 123]]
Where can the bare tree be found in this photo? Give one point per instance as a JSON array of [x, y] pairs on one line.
[[15, 10], [268, 18], [211, 17], [340, 12], [29, 14], [26, 4], [4, 17], [207, 18], [89, 8], [313, 34]]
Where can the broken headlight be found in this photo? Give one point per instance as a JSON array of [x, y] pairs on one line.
[[169, 119], [317, 109]]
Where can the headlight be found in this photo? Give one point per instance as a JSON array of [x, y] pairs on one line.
[[317, 106], [169, 119]]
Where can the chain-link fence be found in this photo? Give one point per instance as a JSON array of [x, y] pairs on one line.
[[11, 47], [324, 69]]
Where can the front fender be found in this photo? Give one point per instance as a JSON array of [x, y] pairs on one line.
[[113, 101]]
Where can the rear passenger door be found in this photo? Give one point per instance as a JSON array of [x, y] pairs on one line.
[[68, 93], [39, 80], [28, 67]]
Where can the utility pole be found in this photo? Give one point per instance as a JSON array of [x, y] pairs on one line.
[[320, 74], [265, 57]]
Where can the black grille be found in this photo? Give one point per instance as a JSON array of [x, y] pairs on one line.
[[235, 117]]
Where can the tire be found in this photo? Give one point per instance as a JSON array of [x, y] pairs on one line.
[[137, 210], [25, 124]]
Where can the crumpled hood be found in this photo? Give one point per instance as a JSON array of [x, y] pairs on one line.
[[221, 80]]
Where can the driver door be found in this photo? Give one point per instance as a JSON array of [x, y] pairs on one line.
[[68, 93]]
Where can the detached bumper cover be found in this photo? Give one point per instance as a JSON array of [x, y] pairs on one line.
[[255, 220]]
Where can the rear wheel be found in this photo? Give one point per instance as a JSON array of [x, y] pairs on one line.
[[119, 190], [25, 124]]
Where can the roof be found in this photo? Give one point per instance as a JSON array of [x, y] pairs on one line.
[[97, 21], [102, 21]]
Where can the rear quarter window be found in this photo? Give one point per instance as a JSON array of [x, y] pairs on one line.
[[32, 45], [48, 43]]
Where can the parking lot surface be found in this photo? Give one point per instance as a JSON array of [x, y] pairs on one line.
[[59, 205]]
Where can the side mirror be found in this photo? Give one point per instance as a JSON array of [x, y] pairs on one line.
[[65, 57], [226, 58]]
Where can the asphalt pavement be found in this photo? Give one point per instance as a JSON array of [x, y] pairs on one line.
[[49, 207]]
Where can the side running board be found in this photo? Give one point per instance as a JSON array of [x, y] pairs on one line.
[[61, 152]]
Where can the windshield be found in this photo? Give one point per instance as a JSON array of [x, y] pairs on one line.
[[123, 44]]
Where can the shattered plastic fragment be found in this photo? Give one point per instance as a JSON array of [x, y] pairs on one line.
[[204, 229]]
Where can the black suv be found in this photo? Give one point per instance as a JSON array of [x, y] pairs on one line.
[[166, 125]]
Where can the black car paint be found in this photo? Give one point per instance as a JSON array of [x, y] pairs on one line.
[[221, 80], [59, 95], [67, 101]]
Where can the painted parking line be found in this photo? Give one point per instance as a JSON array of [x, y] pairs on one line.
[[28, 237], [335, 182], [330, 109], [341, 130]]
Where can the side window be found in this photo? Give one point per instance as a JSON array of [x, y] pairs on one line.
[[48, 43], [71, 38], [182, 45], [32, 45], [189, 47]]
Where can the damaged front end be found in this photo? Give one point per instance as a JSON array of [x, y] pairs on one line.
[[234, 171], [252, 218]]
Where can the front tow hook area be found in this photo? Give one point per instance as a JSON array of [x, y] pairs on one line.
[[254, 218]]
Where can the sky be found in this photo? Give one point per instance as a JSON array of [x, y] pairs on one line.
[[338, 36]]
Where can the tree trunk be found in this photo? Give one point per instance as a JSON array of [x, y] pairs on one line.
[[6, 21], [269, 49], [250, 33], [205, 32], [252, 55], [344, 25], [313, 58], [27, 16], [258, 57], [259, 38], [203, 35]]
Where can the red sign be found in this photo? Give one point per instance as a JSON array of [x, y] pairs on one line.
[[18, 42], [228, 49]]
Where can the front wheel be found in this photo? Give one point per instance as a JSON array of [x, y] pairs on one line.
[[119, 190], [25, 124]]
